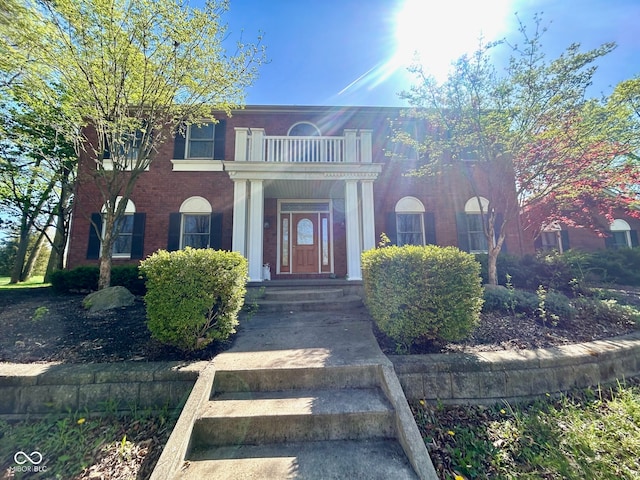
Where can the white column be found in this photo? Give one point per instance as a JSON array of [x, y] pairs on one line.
[[352, 223], [239, 235], [241, 144], [256, 219], [368, 216], [257, 145], [365, 146], [350, 148]]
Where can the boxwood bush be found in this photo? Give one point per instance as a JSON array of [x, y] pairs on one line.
[[194, 295], [85, 279], [422, 293]]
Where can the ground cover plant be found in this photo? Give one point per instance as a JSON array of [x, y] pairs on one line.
[[587, 434], [77, 446]]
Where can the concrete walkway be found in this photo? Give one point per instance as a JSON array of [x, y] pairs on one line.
[[300, 395]]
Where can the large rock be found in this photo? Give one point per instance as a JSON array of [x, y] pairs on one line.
[[108, 298]]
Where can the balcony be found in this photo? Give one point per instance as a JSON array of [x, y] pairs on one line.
[[252, 145]]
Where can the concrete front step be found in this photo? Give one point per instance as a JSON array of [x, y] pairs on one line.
[[294, 416], [329, 460], [282, 379], [299, 294], [334, 304]]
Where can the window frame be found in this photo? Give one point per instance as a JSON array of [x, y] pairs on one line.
[[183, 233], [617, 228], [189, 140], [409, 206]]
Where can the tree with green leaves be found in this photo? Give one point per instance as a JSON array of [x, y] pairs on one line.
[[534, 121], [136, 70], [37, 170]]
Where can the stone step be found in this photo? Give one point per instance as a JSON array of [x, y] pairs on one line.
[[256, 418], [282, 379], [330, 460], [299, 294], [333, 304]]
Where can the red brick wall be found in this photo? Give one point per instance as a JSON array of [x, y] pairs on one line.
[[161, 191]]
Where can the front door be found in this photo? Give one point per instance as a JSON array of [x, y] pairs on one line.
[[305, 243]]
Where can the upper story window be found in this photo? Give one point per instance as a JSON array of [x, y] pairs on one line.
[[200, 141], [128, 153], [409, 221]]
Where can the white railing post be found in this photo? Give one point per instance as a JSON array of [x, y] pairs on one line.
[[257, 144], [242, 134], [365, 146], [350, 146]]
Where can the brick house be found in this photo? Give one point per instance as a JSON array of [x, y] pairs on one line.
[[303, 190]]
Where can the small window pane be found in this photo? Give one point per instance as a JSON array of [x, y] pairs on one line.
[[620, 239], [325, 241], [203, 132], [285, 242], [305, 232]]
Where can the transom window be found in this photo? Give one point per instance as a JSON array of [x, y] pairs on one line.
[[304, 129], [200, 139], [409, 221]]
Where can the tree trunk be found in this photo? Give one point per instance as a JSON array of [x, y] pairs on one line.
[[27, 271], [492, 270], [104, 280], [21, 255]]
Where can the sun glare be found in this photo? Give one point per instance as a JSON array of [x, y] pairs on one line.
[[439, 32]]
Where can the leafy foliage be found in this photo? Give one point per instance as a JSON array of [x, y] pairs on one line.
[[85, 279], [533, 121], [194, 295], [422, 293]]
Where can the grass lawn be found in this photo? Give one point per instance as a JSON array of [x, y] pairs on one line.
[[33, 282], [592, 434]]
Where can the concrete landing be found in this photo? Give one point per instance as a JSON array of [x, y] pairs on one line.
[[299, 395]]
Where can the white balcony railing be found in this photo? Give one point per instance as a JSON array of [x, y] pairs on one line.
[[252, 145], [304, 149]]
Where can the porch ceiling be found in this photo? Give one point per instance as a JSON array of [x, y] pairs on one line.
[[303, 189]]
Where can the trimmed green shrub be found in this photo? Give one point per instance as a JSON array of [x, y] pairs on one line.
[[128, 276], [85, 279], [422, 293], [194, 295], [512, 301], [620, 266], [80, 279]]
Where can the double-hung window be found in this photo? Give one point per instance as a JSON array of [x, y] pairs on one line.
[[409, 229], [475, 232], [196, 230], [123, 230], [200, 141]]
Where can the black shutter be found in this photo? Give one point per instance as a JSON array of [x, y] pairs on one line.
[[137, 239], [93, 248], [392, 231], [564, 240], [219, 132], [496, 227], [179, 143], [463, 233], [215, 231], [429, 228], [174, 231], [634, 238]]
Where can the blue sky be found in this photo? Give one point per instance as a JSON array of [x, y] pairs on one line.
[[351, 52]]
